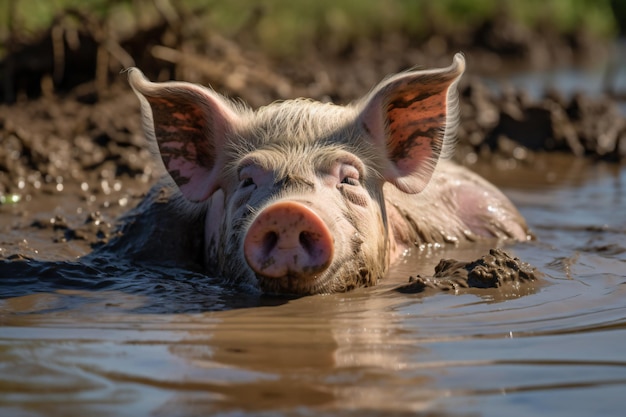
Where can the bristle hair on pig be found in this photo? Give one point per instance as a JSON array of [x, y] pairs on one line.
[[302, 197]]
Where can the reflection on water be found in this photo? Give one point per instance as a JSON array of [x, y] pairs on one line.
[[163, 344]]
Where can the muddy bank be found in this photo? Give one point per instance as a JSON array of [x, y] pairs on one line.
[[513, 125], [54, 141], [76, 121]]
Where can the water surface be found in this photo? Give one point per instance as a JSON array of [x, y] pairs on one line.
[[115, 339]]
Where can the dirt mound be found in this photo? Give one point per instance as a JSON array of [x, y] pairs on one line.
[[495, 270]]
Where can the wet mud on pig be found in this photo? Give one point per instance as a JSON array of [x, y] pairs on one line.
[[301, 197]]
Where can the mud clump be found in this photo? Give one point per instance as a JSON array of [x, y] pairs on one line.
[[95, 230], [494, 270]]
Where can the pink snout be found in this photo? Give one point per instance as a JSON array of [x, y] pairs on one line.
[[288, 239]]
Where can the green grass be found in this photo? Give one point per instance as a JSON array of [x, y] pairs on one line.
[[286, 25]]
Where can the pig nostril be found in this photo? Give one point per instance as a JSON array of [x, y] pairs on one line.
[[269, 241], [307, 241]]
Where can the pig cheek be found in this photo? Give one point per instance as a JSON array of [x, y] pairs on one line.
[[371, 260], [374, 231], [230, 231], [212, 227], [368, 227]]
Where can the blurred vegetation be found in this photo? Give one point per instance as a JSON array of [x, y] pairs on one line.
[[283, 26]]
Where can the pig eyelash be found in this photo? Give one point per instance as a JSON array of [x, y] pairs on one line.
[[247, 182], [350, 174], [350, 181]]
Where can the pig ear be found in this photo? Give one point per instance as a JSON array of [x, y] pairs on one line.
[[188, 122], [411, 117]]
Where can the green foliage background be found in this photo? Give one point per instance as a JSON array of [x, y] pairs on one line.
[[283, 26]]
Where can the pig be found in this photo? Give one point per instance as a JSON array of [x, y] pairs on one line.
[[302, 197]]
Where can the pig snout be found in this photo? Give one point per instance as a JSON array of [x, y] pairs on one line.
[[288, 239]]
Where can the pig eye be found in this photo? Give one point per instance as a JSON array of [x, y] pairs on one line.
[[246, 175], [349, 175], [350, 181], [247, 182]]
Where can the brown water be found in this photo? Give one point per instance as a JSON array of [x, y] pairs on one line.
[[106, 338]]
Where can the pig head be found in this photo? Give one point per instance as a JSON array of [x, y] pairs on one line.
[[302, 197]]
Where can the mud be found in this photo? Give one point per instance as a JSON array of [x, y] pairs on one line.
[[497, 269]]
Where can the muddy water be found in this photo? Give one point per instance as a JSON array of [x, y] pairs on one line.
[[100, 337]]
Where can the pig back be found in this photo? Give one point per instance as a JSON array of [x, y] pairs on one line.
[[457, 207], [159, 231]]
